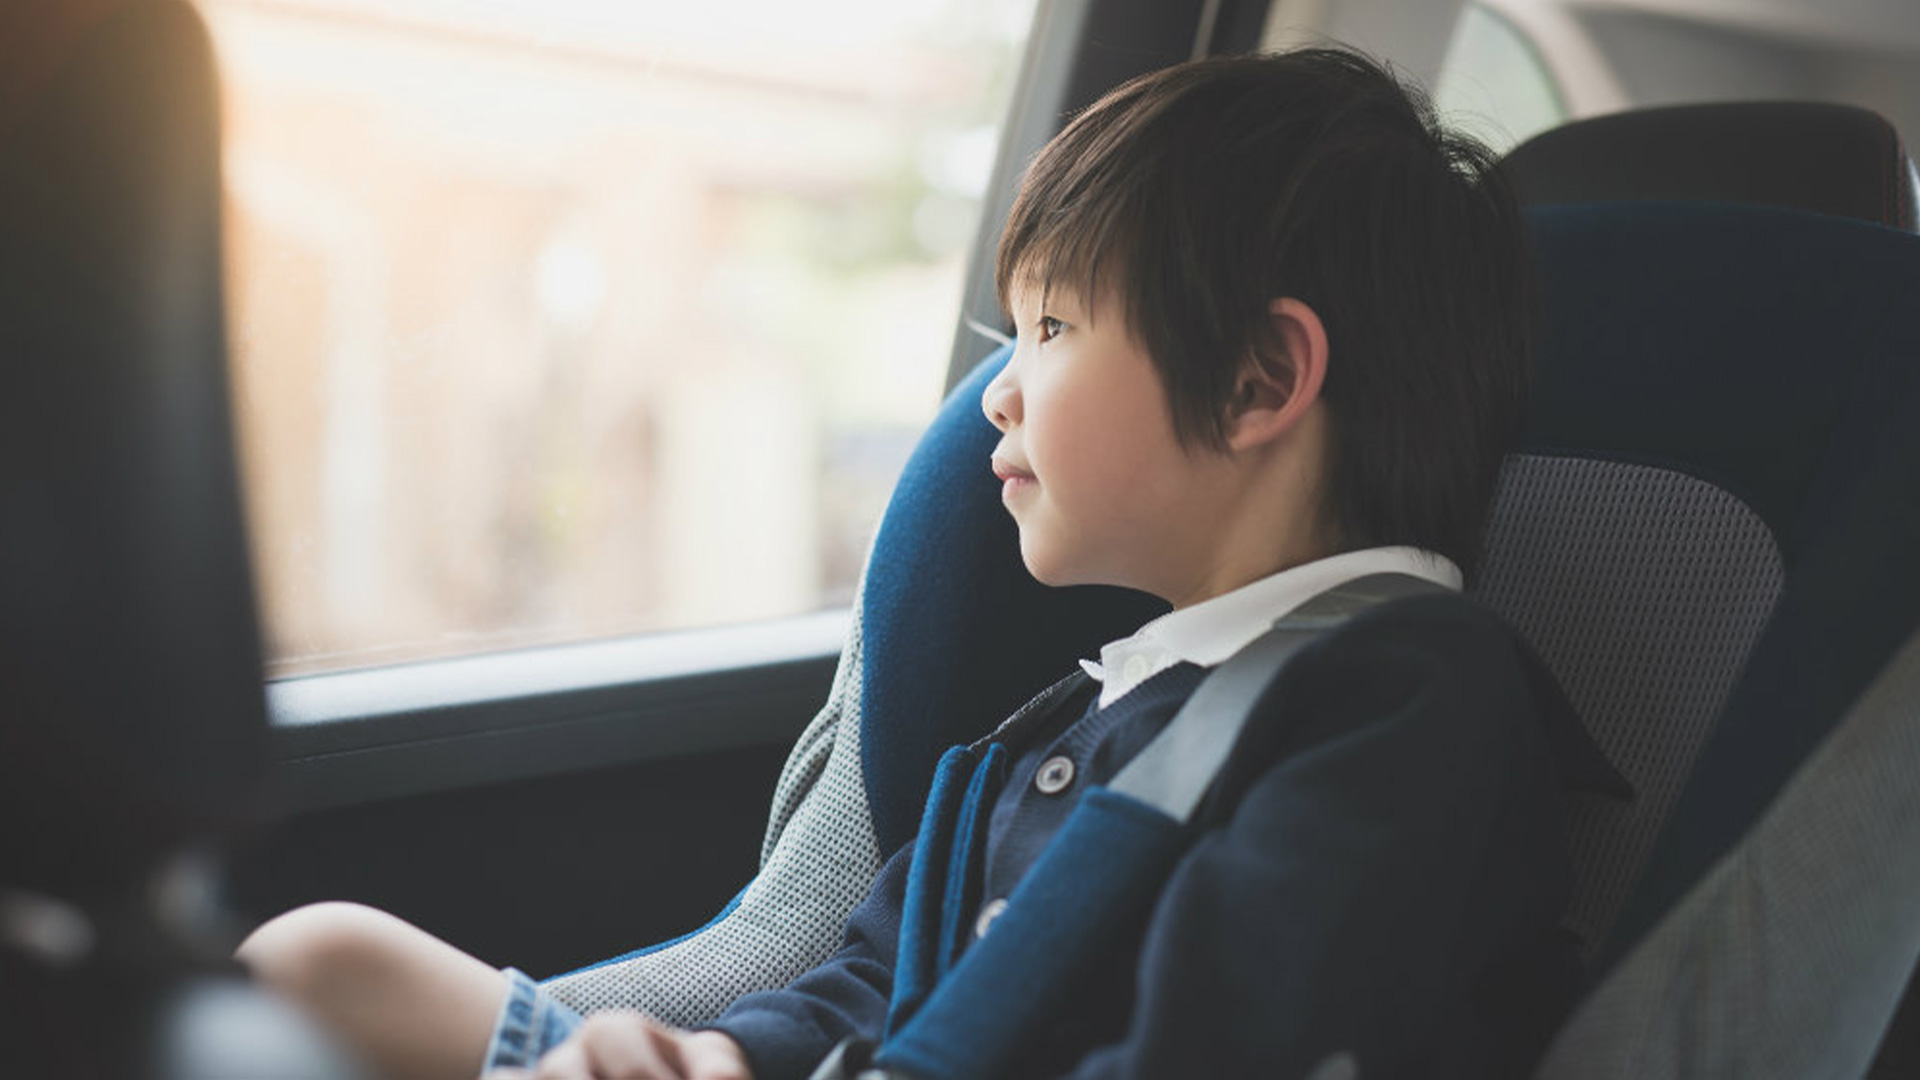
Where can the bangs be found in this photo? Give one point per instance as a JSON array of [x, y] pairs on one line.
[[1089, 273], [1082, 248], [1077, 222]]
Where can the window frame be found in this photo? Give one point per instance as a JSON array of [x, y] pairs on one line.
[[349, 737]]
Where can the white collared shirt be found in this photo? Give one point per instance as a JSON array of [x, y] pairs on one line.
[[1212, 630]]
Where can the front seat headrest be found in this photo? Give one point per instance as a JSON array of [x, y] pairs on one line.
[[135, 718], [1826, 159]]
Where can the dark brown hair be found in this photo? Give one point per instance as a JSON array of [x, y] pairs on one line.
[[1195, 195]]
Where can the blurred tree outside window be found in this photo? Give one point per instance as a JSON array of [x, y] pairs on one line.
[[559, 319]]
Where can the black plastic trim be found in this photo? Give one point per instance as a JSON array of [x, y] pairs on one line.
[[361, 736]]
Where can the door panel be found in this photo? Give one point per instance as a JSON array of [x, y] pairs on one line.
[[546, 874]]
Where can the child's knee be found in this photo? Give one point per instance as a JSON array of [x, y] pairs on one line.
[[323, 947]]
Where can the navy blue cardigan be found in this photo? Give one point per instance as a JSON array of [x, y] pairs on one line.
[[1379, 870]]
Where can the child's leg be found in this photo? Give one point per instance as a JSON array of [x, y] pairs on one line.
[[409, 1004]]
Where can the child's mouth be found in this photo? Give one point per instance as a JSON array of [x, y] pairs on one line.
[[1012, 480]]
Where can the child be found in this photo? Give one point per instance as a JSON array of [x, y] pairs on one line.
[[1273, 337]]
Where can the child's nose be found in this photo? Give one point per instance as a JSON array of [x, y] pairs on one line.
[[1001, 401]]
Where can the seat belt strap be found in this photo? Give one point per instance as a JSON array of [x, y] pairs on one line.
[[1174, 771]]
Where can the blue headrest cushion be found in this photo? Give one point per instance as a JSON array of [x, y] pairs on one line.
[[1775, 354], [956, 633]]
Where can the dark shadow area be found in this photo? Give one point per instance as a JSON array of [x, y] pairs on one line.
[[546, 875]]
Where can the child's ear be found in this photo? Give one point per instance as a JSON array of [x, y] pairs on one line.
[[1282, 379]]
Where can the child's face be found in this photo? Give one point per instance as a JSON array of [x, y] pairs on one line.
[[1093, 475]]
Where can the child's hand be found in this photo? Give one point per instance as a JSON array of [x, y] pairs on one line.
[[628, 1046]]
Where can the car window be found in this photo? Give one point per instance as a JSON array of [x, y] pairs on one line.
[[556, 319], [1493, 82]]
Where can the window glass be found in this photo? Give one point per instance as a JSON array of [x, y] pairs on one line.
[[1493, 82], [567, 318]]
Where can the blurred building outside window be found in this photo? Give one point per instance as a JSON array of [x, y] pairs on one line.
[[562, 319]]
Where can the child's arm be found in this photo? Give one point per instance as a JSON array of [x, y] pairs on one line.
[[405, 1002], [1397, 840], [785, 1033]]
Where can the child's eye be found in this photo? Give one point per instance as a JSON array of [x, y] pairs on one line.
[[1050, 327]]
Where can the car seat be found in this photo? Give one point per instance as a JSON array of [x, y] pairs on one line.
[[1643, 542], [1684, 638], [1766, 355], [1828, 159]]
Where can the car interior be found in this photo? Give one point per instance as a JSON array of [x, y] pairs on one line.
[[1706, 536]]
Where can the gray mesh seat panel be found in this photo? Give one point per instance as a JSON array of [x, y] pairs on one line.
[[817, 862], [1643, 590], [1788, 958]]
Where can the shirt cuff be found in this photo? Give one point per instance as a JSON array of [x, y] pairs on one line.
[[777, 1046]]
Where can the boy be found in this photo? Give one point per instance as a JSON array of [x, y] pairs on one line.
[[1272, 338]]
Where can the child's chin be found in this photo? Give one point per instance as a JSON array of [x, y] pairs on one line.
[[1054, 575], [1043, 572], [1060, 561], [1049, 571], [1037, 574]]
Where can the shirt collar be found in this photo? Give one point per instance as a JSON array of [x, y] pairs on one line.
[[1212, 630]]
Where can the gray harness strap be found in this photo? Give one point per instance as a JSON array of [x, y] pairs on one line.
[[1178, 766]]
